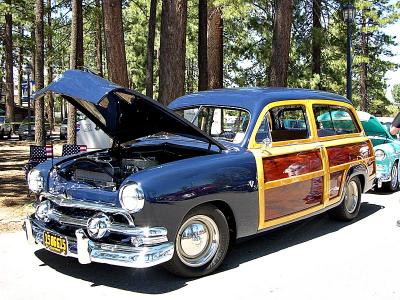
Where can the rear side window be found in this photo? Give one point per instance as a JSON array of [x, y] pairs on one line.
[[284, 123], [334, 120]]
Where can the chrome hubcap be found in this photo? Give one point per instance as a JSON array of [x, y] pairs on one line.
[[351, 198], [393, 182], [197, 241]]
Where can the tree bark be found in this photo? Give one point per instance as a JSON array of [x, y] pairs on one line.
[[215, 46], [8, 46], [20, 65], [76, 61], [115, 45], [172, 50], [363, 66], [316, 40], [150, 49], [50, 54], [281, 43], [99, 39], [40, 137], [202, 46]]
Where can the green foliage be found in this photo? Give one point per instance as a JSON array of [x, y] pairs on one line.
[[396, 93], [248, 28]]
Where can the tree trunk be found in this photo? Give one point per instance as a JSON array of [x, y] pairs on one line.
[[99, 39], [76, 61], [50, 55], [316, 40], [215, 46], [40, 137], [363, 66], [281, 43], [8, 46], [115, 45], [150, 49], [20, 65], [172, 50], [202, 46]]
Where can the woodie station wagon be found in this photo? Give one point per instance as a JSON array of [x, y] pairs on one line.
[[182, 183]]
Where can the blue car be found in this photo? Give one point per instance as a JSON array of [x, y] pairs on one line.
[[180, 184]]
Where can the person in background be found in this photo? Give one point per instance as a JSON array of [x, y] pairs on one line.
[[394, 129]]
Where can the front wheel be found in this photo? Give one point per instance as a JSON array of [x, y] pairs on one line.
[[201, 243], [393, 184], [350, 205]]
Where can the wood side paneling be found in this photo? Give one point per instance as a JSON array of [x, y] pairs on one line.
[[347, 153], [289, 165], [291, 198], [334, 184]]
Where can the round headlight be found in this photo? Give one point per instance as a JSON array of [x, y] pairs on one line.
[[131, 198], [380, 154], [35, 181]]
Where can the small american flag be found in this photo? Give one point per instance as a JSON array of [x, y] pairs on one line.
[[70, 149], [40, 153]]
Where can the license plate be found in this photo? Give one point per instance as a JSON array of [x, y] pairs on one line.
[[55, 243]]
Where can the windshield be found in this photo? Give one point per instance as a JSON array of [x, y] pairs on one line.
[[219, 122]]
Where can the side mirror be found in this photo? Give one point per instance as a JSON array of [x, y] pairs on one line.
[[266, 143]]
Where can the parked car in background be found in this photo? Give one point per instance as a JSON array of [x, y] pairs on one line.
[[63, 129], [387, 123], [387, 151], [23, 129], [179, 191], [5, 128]]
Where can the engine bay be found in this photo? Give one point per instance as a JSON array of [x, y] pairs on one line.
[[107, 169]]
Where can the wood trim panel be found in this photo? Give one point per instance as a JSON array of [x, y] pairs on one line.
[[339, 155], [290, 165], [288, 199], [335, 184]]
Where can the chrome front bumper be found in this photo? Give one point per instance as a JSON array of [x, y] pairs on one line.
[[88, 251]]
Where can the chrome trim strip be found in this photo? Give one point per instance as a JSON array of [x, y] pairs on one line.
[[63, 201], [88, 251], [147, 234]]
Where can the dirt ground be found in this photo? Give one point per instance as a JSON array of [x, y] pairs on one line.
[[15, 203]]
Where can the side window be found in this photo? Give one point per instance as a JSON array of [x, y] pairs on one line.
[[334, 120], [284, 123]]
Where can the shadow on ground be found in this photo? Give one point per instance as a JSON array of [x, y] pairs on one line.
[[156, 280]]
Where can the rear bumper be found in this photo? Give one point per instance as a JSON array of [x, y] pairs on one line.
[[87, 251]]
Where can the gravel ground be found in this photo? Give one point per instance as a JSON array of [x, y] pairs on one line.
[[15, 203]]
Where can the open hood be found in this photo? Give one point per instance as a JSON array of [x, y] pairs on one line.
[[372, 126], [121, 113]]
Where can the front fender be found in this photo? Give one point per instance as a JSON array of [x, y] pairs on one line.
[[173, 189]]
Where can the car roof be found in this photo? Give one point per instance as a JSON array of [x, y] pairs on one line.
[[252, 99]]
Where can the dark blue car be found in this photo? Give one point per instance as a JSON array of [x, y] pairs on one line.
[[181, 183]]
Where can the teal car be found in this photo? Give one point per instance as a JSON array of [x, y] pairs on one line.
[[387, 152]]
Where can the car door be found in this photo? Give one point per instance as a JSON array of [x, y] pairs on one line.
[[346, 146], [291, 164]]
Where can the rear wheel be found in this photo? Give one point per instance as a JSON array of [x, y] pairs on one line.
[[201, 243], [350, 205], [393, 184]]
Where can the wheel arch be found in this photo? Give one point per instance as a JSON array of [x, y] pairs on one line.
[[226, 209], [361, 172]]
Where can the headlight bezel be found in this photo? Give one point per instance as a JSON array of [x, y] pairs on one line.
[[380, 155], [131, 197], [35, 181]]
